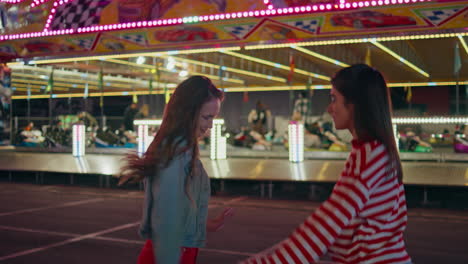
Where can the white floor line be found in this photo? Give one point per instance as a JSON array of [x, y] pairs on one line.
[[68, 241], [228, 252], [122, 240], [3, 192], [45, 188], [228, 202], [114, 195], [52, 207], [425, 219], [46, 232], [53, 233], [281, 207], [443, 216], [235, 200]]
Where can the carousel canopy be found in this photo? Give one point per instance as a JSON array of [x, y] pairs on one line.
[[146, 46]]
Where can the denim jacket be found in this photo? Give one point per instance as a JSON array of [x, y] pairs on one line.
[[170, 218]]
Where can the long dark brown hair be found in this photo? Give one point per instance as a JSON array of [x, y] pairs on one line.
[[178, 131], [365, 88]]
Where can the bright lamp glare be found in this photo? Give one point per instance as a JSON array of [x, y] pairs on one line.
[[183, 73], [140, 60]]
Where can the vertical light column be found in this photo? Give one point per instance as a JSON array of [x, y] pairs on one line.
[[79, 140], [296, 141], [221, 148], [395, 134], [142, 139], [217, 142]]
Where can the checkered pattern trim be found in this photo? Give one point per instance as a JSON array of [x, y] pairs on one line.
[[7, 49], [310, 25], [438, 16], [78, 13], [240, 31], [137, 38], [85, 43]]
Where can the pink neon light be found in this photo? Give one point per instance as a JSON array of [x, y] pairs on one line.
[[270, 11], [12, 1], [39, 2]]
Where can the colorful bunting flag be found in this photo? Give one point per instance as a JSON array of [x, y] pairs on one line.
[[292, 67], [101, 88], [166, 93], [245, 97], [29, 91], [50, 83], [86, 90], [134, 97], [457, 60], [309, 89], [409, 94], [367, 59], [150, 84], [158, 73]]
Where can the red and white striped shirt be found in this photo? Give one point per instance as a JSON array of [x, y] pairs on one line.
[[361, 222]]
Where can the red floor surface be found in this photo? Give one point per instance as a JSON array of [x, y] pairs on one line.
[[70, 224]]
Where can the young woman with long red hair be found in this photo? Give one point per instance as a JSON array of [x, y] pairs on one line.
[[177, 188]]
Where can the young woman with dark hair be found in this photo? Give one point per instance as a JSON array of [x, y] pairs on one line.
[[364, 218], [177, 188]]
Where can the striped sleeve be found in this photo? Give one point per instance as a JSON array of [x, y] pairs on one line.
[[319, 231]]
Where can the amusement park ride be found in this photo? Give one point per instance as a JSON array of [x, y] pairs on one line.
[[123, 48]]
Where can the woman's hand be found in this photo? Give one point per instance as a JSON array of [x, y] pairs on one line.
[[215, 224]]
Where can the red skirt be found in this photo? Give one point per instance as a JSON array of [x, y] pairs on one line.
[[188, 255]]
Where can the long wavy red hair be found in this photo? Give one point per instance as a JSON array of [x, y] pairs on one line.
[[178, 131]]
